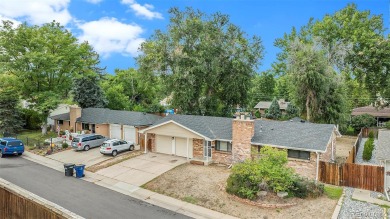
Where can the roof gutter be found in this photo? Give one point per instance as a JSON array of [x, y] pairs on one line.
[[293, 148]]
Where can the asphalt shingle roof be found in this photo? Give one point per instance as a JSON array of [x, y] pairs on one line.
[[267, 104], [291, 134], [102, 116], [371, 110], [64, 116], [208, 126], [383, 148], [302, 135]]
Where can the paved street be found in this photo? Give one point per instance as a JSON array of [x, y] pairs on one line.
[[83, 198]]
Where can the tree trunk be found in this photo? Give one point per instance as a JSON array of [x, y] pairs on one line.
[[308, 106], [44, 129]]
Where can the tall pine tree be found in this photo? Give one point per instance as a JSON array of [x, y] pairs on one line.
[[87, 92]]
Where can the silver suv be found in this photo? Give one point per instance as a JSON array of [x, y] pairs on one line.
[[85, 142], [114, 146]]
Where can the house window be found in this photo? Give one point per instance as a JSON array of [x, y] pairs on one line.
[[223, 146], [60, 122], [85, 126], [303, 155]]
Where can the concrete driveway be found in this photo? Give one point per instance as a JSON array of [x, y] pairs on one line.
[[140, 170], [88, 158]]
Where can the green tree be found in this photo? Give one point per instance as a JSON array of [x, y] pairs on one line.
[[44, 59], [87, 92], [274, 110], [292, 111], [308, 72], [133, 90], [10, 118], [206, 61], [362, 121], [262, 89]]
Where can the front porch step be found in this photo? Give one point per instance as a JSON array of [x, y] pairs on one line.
[[201, 162]]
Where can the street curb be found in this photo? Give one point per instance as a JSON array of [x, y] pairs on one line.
[[337, 210], [187, 209], [4, 184]]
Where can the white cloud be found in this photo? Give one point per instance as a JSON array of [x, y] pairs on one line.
[[94, 1], [36, 11], [15, 22], [108, 35], [145, 10]]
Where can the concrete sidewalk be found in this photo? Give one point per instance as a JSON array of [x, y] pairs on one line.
[[148, 196], [364, 195]]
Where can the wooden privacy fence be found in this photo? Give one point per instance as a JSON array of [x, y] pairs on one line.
[[352, 175]]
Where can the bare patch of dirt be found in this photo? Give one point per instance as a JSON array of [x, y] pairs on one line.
[[114, 160], [344, 146], [201, 185]]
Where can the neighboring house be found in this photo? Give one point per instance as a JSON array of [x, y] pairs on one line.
[[381, 115], [61, 109], [263, 106], [226, 140], [111, 123], [383, 155]]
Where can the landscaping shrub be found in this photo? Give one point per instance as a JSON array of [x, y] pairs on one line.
[[387, 125], [371, 134], [65, 145], [368, 148], [257, 114], [46, 143], [248, 177], [303, 188]]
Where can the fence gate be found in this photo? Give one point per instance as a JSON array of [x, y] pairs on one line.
[[352, 175]]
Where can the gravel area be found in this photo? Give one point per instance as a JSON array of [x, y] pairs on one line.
[[358, 209], [359, 156], [376, 194]]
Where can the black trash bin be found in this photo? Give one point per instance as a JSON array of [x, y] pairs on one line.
[[68, 169]]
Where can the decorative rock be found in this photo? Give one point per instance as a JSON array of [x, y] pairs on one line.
[[282, 194], [262, 193]]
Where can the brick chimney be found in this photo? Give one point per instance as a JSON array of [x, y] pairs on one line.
[[74, 113], [243, 130]]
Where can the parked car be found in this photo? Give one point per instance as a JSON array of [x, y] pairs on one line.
[[11, 146], [114, 146], [85, 142]]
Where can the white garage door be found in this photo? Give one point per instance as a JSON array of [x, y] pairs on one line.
[[164, 144], [181, 147], [115, 131], [129, 133]]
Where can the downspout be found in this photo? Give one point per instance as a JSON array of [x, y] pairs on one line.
[[318, 163]]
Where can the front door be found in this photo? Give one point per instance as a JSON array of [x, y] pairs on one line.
[[93, 128]]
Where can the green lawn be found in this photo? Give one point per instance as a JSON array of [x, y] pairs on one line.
[[34, 137], [333, 192]]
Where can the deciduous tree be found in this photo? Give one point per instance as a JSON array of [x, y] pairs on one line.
[[206, 61]]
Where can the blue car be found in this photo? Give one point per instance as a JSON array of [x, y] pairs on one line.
[[11, 146]]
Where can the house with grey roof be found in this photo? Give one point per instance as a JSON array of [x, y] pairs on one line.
[[383, 156], [208, 139], [110, 123], [263, 106]]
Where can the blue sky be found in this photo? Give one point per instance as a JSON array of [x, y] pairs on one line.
[[117, 27]]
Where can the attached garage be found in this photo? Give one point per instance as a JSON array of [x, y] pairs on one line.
[[171, 138], [115, 131], [181, 147], [163, 144], [129, 133]]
